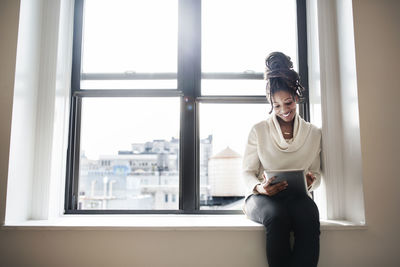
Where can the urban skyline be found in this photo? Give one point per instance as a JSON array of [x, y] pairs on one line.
[[147, 177]]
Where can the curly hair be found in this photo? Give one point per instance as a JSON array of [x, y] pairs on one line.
[[281, 76]]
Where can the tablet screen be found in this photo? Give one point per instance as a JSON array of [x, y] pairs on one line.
[[296, 180]]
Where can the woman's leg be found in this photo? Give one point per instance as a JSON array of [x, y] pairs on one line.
[[272, 213], [305, 219]]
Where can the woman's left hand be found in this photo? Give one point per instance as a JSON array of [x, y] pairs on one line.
[[310, 179]]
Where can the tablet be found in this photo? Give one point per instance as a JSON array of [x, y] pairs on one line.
[[297, 184]]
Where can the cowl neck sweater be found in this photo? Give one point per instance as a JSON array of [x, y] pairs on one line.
[[301, 130], [268, 150]]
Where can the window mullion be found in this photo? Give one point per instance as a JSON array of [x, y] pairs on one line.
[[72, 180], [189, 75], [77, 46], [302, 53], [127, 93], [72, 175]]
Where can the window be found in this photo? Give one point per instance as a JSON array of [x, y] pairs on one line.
[[163, 99]]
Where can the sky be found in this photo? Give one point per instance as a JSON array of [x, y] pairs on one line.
[[112, 124], [132, 36]]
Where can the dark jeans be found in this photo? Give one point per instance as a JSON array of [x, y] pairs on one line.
[[281, 215]]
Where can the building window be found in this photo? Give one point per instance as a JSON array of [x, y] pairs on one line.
[[152, 84]]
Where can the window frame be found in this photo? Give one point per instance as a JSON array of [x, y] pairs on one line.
[[188, 89]]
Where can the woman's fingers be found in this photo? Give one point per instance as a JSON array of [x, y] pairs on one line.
[[282, 186], [276, 188], [267, 183], [272, 189], [270, 180], [310, 178]]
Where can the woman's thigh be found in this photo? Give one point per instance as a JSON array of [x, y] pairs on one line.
[[264, 209]]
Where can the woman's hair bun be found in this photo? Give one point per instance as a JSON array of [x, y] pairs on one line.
[[278, 61], [280, 75], [279, 65]]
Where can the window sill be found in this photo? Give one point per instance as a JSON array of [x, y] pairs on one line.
[[159, 222]]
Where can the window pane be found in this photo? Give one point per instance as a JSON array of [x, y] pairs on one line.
[[233, 87], [130, 36], [129, 153], [238, 35], [224, 129]]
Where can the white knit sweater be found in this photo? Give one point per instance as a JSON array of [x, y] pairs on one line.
[[267, 149]]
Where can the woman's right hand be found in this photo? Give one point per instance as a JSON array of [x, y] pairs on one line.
[[266, 188]]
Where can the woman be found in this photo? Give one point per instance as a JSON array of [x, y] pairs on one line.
[[284, 141]]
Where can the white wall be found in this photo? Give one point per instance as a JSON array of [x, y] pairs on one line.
[[377, 44]]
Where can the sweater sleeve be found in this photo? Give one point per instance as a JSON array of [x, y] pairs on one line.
[[251, 163], [315, 168]]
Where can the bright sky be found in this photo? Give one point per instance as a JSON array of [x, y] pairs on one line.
[[109, 125], [126, 35]]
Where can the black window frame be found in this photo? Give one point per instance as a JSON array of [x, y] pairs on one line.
[[188, 89]]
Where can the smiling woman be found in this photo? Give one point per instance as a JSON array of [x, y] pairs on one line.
[[284, 105], [283, 90], [284, 141]]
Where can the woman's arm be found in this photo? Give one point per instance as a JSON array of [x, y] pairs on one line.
[[315, 170], [251, 163]]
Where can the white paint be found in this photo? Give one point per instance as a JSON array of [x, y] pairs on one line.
[[351, 150], [163, 222], [23, 130], [333, 84], [61, 110], [51, 136], [38, 138], [45, 110], [314, 89], [332, 139]]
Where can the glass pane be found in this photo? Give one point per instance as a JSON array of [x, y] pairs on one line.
[[238, 35], [224, 129], [130, 36], [129, 153], [233, 87]]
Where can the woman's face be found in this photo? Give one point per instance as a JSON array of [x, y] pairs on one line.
[[284, 105]]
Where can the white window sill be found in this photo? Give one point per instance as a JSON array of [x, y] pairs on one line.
[[159, 222]]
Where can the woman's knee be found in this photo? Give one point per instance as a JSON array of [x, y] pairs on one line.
[[305, 208], [264, 210], [276, 216]]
